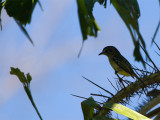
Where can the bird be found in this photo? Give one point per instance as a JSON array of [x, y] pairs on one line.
[[119, 63]]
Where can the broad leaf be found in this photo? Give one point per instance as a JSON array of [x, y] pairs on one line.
[[25, 80], [19, 74], [21, 11], [129, 12], [88, 107], [88, 24], [120, 109]]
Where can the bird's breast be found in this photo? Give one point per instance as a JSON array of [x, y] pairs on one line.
[[117, 68]]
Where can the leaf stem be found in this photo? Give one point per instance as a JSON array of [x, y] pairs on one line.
[[26, 88]]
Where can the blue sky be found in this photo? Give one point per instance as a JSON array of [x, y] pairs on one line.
[[53, 63]]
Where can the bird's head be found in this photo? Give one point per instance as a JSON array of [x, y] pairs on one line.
[[109, 51]]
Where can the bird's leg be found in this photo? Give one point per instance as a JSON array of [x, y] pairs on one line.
[[120, 79]]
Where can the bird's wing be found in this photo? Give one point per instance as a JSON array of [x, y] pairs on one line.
[[123, 64]]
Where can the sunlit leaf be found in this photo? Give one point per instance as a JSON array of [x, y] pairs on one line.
[[120, 109]]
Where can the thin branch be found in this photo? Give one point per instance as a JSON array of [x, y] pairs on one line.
[[98, 86], [120, 81], [141, 70], [100, 95], [117, 85], [136, 71], [112, 85], [153, 113], [130, 89], [149, 65], [157, 45], [103, 97], [149, 57], [157, 53], [79, 96], [81, 49], [84, 98], [120, 85], [153, 39]]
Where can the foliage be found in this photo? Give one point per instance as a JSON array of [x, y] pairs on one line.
[[128, 10], [120, 109], [93, 110], [89, 105], [88, 24], [25, 80], [21, 11]]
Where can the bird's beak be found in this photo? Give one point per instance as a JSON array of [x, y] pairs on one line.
[[100, 53]]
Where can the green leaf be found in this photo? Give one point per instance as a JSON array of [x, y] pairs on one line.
[[88, 108], [137, 53], [29, 78], [21, 10], [24, 31], [155, 32], [88, 24], [19, 74], [24, 79], [129, 12], [1, 6], [40, 5], [26, 84]]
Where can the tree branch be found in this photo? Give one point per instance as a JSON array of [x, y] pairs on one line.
[[124, 93]]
